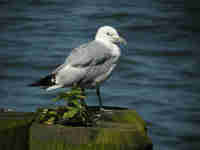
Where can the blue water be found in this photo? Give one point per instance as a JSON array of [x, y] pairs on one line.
[[158, 74]]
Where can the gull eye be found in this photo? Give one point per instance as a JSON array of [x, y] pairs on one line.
[[108, 33]]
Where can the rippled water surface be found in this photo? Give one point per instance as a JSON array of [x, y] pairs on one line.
[[158, 74]]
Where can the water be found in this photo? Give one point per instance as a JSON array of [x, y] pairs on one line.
[[158, 74]]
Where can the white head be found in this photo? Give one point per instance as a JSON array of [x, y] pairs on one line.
[[108, 33]]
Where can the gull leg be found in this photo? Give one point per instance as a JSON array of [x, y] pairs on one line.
[[83, 100], [99, 98]]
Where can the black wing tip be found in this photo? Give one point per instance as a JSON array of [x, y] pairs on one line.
[[33, 84], [46, 81]]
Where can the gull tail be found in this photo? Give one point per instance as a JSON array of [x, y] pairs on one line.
[[45, 82]]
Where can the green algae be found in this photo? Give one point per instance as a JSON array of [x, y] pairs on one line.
[[119, 130], [14, 119], [130, 117], [14, 130]]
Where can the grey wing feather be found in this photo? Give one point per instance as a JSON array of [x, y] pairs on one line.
[[83, 61], [59, 68], [73, 59], [92, 53]]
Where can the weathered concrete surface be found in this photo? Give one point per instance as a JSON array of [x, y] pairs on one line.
[[116, 130], [14, 130], [120, 129]]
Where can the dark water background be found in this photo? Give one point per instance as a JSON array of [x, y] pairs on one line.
[[159, 70]]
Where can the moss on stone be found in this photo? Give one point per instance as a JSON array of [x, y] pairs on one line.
[[118, 130], [130, 117], [14, 130]]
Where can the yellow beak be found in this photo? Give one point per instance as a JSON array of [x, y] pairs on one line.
[[122, 40]]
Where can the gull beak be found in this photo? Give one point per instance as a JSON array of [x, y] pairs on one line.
[[122, 40]]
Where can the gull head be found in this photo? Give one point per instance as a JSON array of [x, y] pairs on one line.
[[109, 34]]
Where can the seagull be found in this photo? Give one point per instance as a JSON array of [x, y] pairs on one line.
[[88, 65]]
